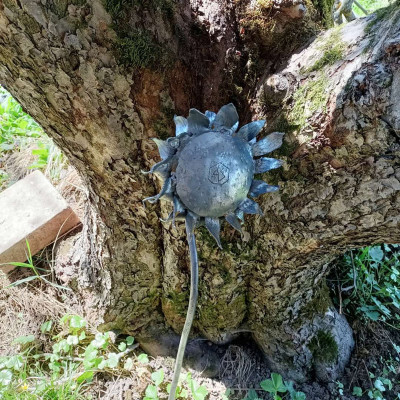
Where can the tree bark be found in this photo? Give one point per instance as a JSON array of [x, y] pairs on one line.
[[84, 71]]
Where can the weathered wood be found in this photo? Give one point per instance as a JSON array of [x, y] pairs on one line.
[[31, 210]]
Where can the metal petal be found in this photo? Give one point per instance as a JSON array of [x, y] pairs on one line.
[[250, 131], [264, 164], [240, 214], [181, 125], [163, 173], [227, 116], [162, 166], [164, 148], [233, 220], [211, 117], [268, 144], [197, 122], [234, 127], [260, 187], [213, 225], [250, 207], [191, 220], [166, 189]]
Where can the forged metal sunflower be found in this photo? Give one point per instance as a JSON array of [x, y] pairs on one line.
[[208, 172], [208, 168]]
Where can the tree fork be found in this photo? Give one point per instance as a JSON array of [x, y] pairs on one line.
[[339, 188]]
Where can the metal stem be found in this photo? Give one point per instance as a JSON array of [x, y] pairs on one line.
[[194, 284]]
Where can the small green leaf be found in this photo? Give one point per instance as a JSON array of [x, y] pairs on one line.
[[77, 322], [87, 376], [130, 340], [158, 377], [72, 340], [113, 360], [379, 385], [143, 358], [151, 392], [251, 395], [357, 391], [5, 377], [200, 393], [128, 364], [278, 383], [46, 326], [24, 339], [268, 386], [122, 346], [376, 253]]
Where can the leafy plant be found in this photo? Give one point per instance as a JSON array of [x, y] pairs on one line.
[[30, 264], [274, 385], [369, 280], [65, 372], [19, 131]]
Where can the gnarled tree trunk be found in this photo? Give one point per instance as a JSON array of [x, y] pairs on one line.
[[103, 78]]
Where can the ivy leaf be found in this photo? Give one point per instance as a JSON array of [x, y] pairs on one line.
[[130, 340], [376, 253]]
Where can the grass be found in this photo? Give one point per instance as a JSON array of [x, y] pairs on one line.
[[25, 140], [370, 6]]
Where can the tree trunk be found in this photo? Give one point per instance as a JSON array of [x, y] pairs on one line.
[[103, 78]]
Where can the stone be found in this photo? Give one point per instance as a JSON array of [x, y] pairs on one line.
[[33, 210]]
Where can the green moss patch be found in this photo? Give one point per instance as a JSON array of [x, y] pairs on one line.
[[333, 50], [324, 8], [323, 347], [140, 51], [308, 99], [319, 304]]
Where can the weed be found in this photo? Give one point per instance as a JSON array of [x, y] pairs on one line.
[[370, 281], [274, 386], [64, 373], [186, 385], [30, 264]]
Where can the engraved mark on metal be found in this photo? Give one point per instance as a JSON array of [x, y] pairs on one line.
[[218, 174]]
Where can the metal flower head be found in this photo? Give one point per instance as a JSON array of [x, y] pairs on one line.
[[208, 168]]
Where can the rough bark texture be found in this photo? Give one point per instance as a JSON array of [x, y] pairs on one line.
[[81, 69]]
